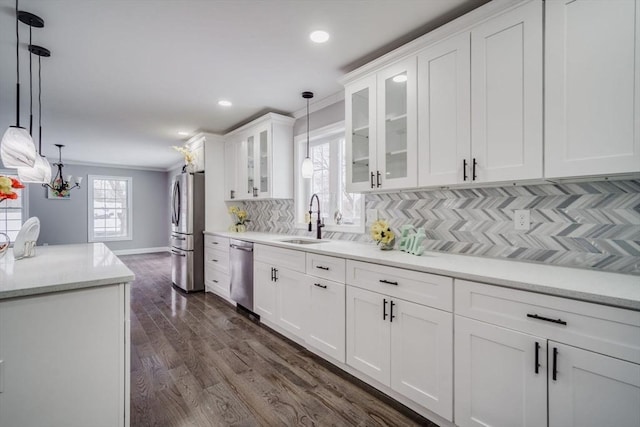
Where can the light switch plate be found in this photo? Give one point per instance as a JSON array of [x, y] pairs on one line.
[[522, 219]]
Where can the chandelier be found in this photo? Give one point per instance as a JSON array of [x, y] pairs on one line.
[[61, 186]]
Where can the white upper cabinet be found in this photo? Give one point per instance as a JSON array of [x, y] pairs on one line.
[[360, 134], [397, 126], [592, 87], [480, 102], [260, 159], [232, 178], [506, 96], [381, 129], [444, 106]]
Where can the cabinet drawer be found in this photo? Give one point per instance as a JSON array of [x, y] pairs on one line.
[[284, 258], [603, 329], [326, 267], [217, 282], [421, 288], [216, 259], [216, 242]]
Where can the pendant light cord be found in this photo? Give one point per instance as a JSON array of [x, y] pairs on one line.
[[307, 127], [40, 106], [30, 86], [17, 70]]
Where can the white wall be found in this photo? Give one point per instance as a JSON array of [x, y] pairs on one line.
[[65, 221]]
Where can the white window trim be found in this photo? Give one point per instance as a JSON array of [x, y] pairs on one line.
[[24, 196], [299, 155], [91, 237]]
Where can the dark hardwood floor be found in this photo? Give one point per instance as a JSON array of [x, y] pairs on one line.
[[195, 361]]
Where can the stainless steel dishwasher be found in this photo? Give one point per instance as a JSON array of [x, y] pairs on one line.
[[241, 260]]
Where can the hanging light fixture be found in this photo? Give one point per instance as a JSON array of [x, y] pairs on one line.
[[307, 164], [17, 148], [61, 186], [41, 171]]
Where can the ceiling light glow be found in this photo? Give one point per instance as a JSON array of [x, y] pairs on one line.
[[183, 133], [224, 103], [319, 36]]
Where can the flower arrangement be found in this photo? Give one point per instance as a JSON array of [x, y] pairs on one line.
[[7, 185], [239, 218], [189, 156], [382, 234]]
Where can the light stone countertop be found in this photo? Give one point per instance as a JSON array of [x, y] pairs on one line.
[[58, 268], [619, 290]]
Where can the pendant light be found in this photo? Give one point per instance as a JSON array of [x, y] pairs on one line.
[[41, 171], [307, 164], [17, 148]]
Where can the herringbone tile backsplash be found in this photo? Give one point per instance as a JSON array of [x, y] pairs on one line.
[[591, 225]]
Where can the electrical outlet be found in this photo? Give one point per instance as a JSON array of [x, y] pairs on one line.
[[522, 219], [372, 216]]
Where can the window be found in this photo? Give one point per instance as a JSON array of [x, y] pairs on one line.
[[340, 210], [13, 212], [110, 209]]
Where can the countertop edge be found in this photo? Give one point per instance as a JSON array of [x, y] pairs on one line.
[[62, 287], [615, 301]]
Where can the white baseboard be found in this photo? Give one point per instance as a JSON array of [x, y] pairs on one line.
[[141, 251]]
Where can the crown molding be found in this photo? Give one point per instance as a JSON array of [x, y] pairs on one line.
[[320, 104]]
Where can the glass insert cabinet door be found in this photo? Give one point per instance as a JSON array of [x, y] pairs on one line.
[[264, 161], [250, 165], [361, 135], [397, 125]]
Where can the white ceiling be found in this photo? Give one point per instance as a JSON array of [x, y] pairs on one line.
[[126, 75]]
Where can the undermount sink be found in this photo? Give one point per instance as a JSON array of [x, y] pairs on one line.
[[301, 241]]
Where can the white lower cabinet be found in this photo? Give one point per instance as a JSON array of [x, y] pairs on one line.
[[514, 373], [496, 383], [281, 298], [216, 266], [264, 292], [592, 390], [280, 291], [64, 358], [402, 345], [292, 301], [326, 317]]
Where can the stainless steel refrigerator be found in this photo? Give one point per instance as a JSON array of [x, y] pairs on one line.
[[187, 225]]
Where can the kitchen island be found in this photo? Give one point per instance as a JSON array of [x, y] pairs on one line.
[[64, 338]]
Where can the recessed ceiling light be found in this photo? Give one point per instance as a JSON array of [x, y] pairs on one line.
[[400, 78], [319, 36], [224, 103], [183, 133]]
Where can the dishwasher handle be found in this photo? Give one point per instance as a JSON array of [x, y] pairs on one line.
[[241, 248]]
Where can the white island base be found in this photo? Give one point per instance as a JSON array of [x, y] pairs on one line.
[[64, 350]]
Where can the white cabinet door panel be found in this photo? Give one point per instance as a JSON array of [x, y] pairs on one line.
[[422, 355], [293, 300], [495, 380], [592, 87], [368, 333], [592, 390], [444, 104], [506, 95], [264, 292], [63, 358], [326, 326]]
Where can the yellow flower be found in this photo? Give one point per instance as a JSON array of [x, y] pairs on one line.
[[381, 233], [189, 157], [233, 210]]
